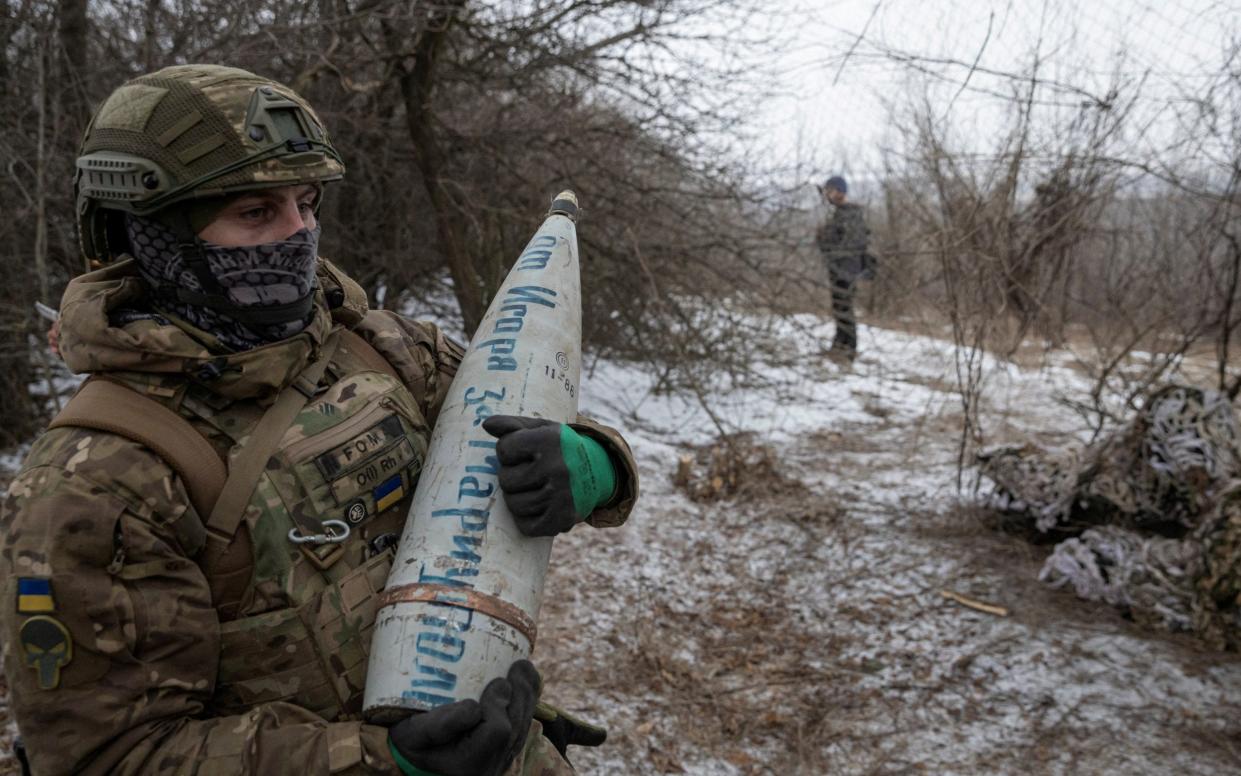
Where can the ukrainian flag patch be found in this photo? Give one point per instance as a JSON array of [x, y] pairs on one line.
[[388, 493], [34, 596]]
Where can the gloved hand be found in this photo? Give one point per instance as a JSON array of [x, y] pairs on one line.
[[470, 738], [552, 476], [565, 730]]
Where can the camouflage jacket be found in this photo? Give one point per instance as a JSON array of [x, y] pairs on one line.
[[130, 645], [842, 240]]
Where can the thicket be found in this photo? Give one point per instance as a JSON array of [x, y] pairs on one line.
[[1081, 222], [1101, 221], [458, 122]]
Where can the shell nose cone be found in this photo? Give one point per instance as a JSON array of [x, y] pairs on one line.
[[565, 204]]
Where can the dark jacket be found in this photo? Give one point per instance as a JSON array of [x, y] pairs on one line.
[[842, 241]]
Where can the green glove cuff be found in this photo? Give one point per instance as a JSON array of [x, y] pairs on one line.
[[592, 477], [408, 768]]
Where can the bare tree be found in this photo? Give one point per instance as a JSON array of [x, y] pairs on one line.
[[458, 121]]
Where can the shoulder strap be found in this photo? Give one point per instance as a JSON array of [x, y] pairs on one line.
[[248, 464], [352, 342], [107, 406], [103, 405]]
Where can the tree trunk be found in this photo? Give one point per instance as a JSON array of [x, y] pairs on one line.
[[150, 35], [7, 26], [71, 29], [417, 83]]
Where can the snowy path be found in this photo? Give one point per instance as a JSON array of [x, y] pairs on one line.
[[802, 630]]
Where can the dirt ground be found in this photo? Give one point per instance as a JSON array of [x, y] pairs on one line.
[[803, 629]]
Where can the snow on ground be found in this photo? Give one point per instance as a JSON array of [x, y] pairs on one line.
[[802, 629], [799, 627]]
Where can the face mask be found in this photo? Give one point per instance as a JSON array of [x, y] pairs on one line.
[[252, 294]]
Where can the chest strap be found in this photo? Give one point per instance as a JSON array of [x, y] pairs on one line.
[[249, 464], [103, 405]]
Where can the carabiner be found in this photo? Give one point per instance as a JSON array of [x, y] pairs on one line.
[[329, 537]]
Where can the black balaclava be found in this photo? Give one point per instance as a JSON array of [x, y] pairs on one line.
[[278, 275]]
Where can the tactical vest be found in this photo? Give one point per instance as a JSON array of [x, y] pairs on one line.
[[296, 616]]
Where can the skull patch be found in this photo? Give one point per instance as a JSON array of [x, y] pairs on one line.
[[48, 648]]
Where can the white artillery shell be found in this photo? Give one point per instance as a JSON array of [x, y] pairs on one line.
[[462, 599]]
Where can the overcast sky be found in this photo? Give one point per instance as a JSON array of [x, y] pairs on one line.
[[837, 74]]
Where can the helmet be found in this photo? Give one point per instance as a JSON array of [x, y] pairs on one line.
[[189, 132]]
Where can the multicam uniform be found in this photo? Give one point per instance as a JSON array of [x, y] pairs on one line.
[[175, 657]]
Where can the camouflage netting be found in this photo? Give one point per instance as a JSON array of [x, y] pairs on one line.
[[1151, 578], [1155, 510], [1217, 612]]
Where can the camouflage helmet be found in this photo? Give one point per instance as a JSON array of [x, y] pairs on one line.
[[188, 132]]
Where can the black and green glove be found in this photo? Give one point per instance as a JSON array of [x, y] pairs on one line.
[[470, 738], [552, 476]]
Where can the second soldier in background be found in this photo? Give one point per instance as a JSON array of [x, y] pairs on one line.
[[842, 240]]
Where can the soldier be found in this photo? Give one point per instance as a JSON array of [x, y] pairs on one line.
[[842, 241], [159, 623]]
